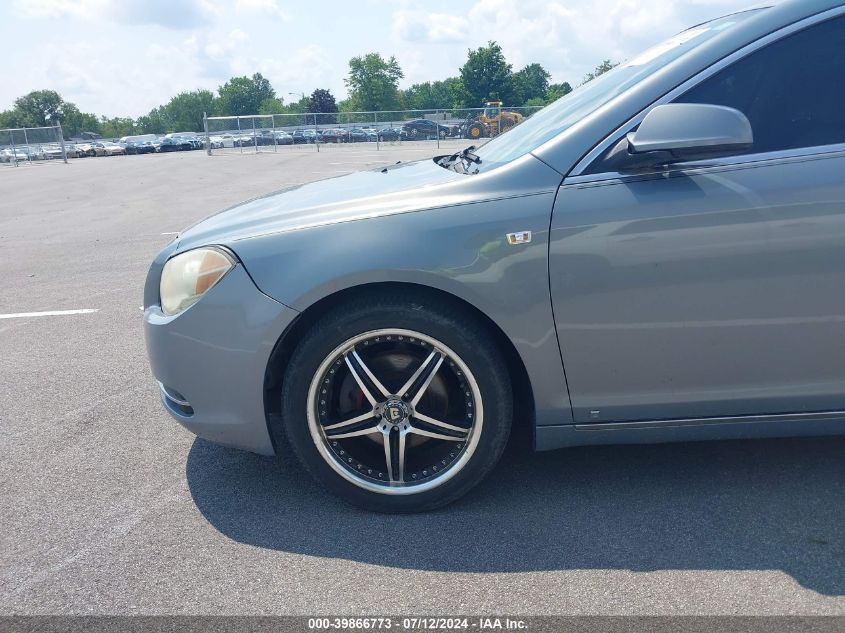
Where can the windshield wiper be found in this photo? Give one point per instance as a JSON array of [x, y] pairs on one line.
[[466, 157]]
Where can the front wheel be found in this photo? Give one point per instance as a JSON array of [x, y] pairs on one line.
[[397, 406], [476, 131]]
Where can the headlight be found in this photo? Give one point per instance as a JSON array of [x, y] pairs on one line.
[[190, 275]]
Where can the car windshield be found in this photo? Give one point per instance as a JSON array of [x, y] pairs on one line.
[[569, 109]]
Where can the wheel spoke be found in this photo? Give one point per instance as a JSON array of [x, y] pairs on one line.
[[436, 436], [394, 455], [358, 418], [371, 398], [388, 458], [428, 378], [367, 430], [384, 392], [442, 425], [417, 374], [401, 457]]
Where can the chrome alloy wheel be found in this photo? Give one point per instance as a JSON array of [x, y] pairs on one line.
[[395, 412]]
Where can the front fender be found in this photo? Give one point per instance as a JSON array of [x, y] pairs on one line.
[[461, 250]]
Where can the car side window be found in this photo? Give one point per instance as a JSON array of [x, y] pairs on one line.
[[792, 91]]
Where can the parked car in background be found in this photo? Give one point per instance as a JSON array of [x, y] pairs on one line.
[[335, 135], [357, 135], [139, 138], [107, 148], [186, 141], [283, 138], [425, 129], [140, 147], [12, 155], [189, 140], [35, 152], [53, 152], [261, 137], [300, 137], [243, 139], [85, 149], [305, 136], [392, 134], [173, 145], [195, 142]]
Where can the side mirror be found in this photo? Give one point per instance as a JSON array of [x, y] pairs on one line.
[[677, 132]]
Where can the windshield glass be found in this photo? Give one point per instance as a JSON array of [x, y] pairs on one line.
[[569, 109]]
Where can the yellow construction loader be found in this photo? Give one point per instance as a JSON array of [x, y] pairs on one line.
[[494, 120]]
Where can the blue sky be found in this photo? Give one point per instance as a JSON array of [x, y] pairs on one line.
[[123, 57]]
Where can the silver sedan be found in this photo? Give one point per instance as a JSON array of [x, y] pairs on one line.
[[657, 256]]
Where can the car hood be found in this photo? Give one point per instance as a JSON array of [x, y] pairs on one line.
[[366, 194]]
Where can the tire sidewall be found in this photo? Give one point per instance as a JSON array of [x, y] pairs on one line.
[[464, 337]]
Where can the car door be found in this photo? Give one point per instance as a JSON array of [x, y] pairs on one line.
[[715, 288]]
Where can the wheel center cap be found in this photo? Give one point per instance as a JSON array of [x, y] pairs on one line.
[[395, 411]]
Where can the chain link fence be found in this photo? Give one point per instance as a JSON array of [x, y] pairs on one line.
[[278, 132], [275, 132], [30, 145]]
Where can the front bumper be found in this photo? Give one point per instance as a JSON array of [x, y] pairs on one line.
[[210, 360]]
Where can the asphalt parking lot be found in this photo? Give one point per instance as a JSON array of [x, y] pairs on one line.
[[109, 507]]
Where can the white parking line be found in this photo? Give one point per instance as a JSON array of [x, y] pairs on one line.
[[24, 315], [171, 233]]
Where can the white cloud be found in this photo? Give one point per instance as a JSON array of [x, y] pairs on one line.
[[416, 26], [219, 48], [269, 8], [302, 70], [46, 9], [212, 55], [212, 58], [166, 13], [117, 70], [571, 38]]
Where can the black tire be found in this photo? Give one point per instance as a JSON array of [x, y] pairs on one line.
[[472, 345], [476, 131]]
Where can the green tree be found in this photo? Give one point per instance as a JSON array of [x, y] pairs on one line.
[[599, 70], [431, 95], [244, 95], [299, 106], [347, 105], [531, 82], [273, 105], [117, 127], [153, 123], [41, 107], [556, 91], [323, 102], [373, 82], [454, 92], [12, 118], [46, 107], [487, 76], [419, 97], [76, 122], [184, 112]]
